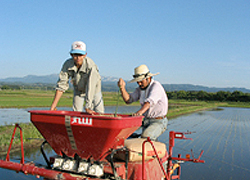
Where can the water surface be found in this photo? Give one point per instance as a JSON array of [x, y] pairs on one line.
[[225, 138], [9, 116]]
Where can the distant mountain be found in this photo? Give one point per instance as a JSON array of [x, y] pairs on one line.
[[47, 79], [110, 84], [29, 79], [109, 79]]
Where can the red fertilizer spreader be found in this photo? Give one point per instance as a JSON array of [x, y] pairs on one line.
[[95, 147], [72, 133]]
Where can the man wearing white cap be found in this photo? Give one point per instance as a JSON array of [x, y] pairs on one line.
[[153, 100], [86, 80]]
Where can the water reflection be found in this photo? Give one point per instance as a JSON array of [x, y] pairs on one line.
[[12, 115], [223, 135]]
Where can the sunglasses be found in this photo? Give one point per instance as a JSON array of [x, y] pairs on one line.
[[76, 54], [138, 75]]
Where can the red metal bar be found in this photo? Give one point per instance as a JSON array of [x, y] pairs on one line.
[[46, 173], [170, 154], [179, 168], [143, 159], [178, 135], [21, 137], [200, 155], [191, 160]]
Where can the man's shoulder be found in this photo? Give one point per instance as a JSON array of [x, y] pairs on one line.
[[69, 63], [156, 84], [91, 64], [90, 61]]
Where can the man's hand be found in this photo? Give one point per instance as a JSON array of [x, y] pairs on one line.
[[57, 97], [121, 83], [125, 95], [89, 111], [143, 109], [137, 114]]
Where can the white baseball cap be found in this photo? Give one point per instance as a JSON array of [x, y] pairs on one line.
[[78, 47]]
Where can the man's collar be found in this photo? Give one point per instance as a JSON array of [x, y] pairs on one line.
[[74, 67]]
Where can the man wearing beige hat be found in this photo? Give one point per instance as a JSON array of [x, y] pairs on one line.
[[153, 100], [86, 80]]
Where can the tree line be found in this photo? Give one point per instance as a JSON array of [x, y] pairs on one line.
[[222, 96], [22, 87]]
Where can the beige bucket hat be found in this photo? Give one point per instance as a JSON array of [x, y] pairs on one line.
[[141, 72]]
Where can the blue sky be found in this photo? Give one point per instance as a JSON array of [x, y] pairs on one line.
[[188, 42]]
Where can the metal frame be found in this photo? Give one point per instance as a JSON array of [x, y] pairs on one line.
[[30, 168], [12, 138], [169, 175]]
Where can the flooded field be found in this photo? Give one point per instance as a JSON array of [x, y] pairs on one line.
[[224, 135], [225, 138]]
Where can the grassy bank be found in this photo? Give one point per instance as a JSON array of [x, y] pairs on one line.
[[41, 98], [31, 137], [37, 98]]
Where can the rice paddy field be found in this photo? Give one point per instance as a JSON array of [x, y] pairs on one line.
[[42, 98], [223, 134]]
